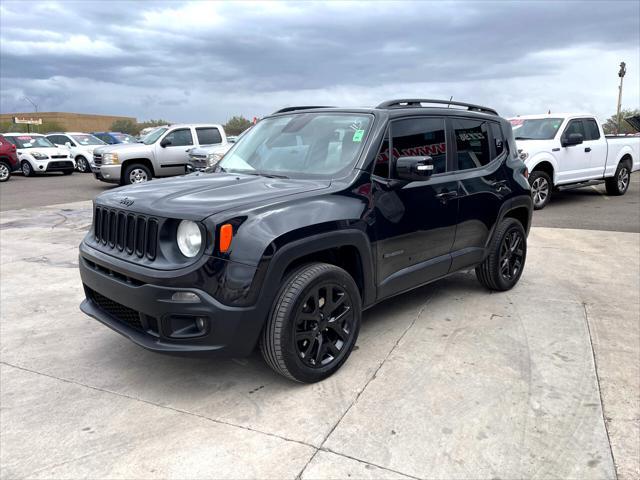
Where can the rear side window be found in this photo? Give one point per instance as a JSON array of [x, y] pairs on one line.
[[499, 140], [419, 137], [593, 132], [180, 138], [472, 142], [208, 136]]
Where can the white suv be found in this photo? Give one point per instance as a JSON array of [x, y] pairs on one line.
[[80, 146], [37, 154]]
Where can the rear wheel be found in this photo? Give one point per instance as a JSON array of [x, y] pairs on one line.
[[503, 267], [619, 183], [27, 170], [136, 173], [5, 171], [540, 188], [314, 323]]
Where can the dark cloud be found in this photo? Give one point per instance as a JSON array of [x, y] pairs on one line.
[[202, 60]]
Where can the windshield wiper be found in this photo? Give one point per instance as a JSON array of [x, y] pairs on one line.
[[524, 138]]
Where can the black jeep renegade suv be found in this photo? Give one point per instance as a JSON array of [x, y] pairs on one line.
[[315, 215]]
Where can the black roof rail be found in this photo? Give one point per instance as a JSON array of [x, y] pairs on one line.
[[303, 107], [417, 102]]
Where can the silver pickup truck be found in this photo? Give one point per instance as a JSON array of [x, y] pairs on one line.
[[162, 153]]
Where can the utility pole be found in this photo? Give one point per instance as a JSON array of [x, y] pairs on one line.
[[621, 72], [32, 103]]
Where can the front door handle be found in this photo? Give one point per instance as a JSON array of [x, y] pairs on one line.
[[444, 197], [588, 149]]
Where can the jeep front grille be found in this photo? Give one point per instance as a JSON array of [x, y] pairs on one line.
[[130, 233]]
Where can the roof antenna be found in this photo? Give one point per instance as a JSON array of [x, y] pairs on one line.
[[549, 112], [449, 104]]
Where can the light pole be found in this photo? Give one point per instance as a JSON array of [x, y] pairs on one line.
[[621, 72], [32, 103]]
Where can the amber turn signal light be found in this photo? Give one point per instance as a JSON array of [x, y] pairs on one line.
[[226, 235]]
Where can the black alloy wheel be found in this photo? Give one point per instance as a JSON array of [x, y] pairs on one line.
[[511, 255], [324, 324], [314, 323]]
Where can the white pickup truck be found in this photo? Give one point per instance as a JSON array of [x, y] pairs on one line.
[[571, 150]]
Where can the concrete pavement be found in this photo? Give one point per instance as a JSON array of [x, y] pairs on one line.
[[448, 381]]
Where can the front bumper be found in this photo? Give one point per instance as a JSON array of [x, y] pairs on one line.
[[146, 314], [107, 173]]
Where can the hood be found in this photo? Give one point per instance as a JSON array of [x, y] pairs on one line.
[[533, 147], [45, 150], [127, 148], [197, 196], [204, 151]]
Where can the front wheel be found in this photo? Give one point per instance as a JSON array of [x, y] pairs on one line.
[[503, 267], [619, 183], [27, 170], [136, 173], [540, 183], [82, 165], [314, 323]]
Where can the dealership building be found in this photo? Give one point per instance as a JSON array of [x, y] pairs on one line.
[[71, 122]]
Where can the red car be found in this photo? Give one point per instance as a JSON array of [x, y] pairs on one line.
[[8, 159]]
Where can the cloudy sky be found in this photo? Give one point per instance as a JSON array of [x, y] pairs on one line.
[[205, 61]]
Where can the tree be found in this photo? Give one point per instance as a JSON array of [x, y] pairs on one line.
[[610, 127], [153, 123], [236, 125], [125, 126]]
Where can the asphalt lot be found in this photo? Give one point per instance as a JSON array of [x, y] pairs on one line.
[[448, 381], [584, 208]]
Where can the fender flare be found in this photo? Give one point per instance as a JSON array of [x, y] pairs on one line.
[[543, 157], [520, 201], [273, 266]]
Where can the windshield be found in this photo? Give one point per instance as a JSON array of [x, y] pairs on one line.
[[124, 138], [535, 128], [27, 141], [87, 140], [299, 145], [153, 136]]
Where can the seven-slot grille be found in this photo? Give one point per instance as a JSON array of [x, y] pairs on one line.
[[127, 232]]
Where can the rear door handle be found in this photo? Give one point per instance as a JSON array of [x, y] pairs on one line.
[[588, 149]]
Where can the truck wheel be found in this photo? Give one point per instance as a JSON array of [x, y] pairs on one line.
[[503, 267], [540, 188], [27, 170], [314, 323], [82, 164], [5, 171], [136, 173], [619, 183]]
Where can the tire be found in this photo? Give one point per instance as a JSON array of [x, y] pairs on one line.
[[5, 171], [541, 187], [27, 169], [619, 183], [300, 341], [82, 164], [67, 172], [136, 173], [509, 245]]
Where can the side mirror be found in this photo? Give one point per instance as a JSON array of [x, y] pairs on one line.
[[414, 168], [572, 139], [165, 142], [67, 144]]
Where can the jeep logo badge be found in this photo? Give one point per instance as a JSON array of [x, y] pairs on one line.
[[126, 201]]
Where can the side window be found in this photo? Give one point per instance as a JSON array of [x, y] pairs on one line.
[[575, 126], [593, 132], [472, 143], [381, 167], [415, 137], [208, 136], [499, 140], [180, 138]]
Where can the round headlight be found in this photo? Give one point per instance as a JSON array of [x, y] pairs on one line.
[[189, 238]]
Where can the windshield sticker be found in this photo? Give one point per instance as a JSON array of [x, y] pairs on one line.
[[27, 145], [357, 135], [24, 138]]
